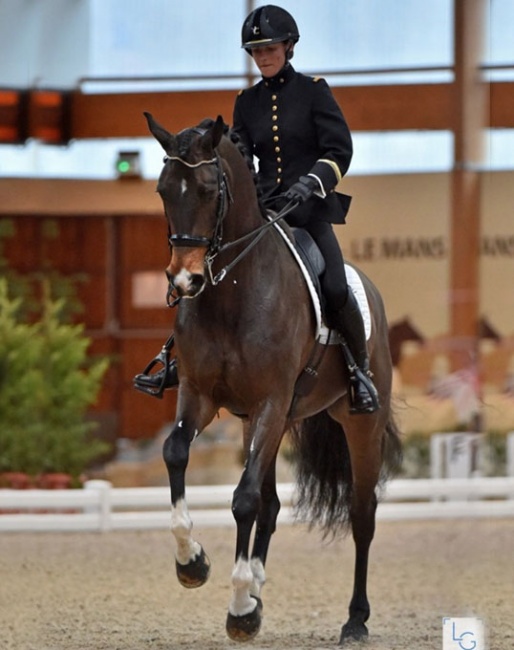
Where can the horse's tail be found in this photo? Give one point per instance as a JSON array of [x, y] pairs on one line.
[[324, 471], [392, 454]]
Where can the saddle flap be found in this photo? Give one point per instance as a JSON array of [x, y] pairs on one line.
[[309, 252]]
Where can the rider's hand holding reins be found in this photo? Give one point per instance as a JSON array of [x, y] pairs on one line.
[[303, 189]]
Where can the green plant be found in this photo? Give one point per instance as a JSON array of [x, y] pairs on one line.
[[47, 384]]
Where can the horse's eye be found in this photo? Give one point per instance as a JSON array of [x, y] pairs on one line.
[[207, 192]]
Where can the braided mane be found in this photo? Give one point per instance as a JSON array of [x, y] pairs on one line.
[[236, 140]]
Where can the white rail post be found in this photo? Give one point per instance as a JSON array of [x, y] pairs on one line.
[[103, 490], [455, 455], [510, 453]]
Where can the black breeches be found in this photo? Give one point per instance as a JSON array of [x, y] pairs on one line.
[[333, 281]]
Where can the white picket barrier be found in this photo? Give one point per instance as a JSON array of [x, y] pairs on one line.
[[100, 507], [510, 453]]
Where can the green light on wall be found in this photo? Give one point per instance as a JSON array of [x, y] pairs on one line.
[[128, 164]]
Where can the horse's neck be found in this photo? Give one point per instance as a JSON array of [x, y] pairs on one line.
[[244, 214]]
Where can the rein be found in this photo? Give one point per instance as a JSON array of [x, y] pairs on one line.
[[257, 233]]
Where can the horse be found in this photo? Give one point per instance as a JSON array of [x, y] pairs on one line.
[[244, 332]]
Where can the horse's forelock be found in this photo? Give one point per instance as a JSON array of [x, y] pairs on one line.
[[184, 140]]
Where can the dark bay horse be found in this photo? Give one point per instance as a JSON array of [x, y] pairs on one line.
[[242, 340]]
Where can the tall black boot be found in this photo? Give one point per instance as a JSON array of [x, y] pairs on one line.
[[156, 383], [350, 326]]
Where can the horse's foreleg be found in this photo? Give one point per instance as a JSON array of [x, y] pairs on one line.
[[245, 609], [191, 562], [265, 527]]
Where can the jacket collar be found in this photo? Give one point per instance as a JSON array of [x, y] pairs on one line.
[[281, 78]]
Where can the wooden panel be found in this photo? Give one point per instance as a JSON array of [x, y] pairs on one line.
[[377, 108], [502, 103], [22, 250], [71, 197], [111, 116], [143, 248], [108, 400]]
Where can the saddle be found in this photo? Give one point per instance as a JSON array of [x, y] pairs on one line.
[[311, 256], [312, 265]]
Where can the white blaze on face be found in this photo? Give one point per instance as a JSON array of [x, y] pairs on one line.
[[183, 186]]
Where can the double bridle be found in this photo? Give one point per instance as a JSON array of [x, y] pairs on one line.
[[214, 244], [224, 197]]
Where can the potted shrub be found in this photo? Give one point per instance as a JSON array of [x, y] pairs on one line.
[[20, 349], [47, 384]]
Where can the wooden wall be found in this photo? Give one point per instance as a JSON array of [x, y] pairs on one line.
[[107, 250]]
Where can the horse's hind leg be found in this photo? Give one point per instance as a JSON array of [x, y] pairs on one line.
[[191, 563], [365, 453], [362, 517]]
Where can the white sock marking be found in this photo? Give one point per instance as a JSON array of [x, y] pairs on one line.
[[259, 577], [181, 526], [242, 579]]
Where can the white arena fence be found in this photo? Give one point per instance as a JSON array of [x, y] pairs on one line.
[[101, 507]]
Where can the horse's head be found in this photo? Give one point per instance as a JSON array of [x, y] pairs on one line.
[[194, 191]]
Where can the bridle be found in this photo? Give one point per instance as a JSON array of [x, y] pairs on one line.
[[214, 244], [224, 198]]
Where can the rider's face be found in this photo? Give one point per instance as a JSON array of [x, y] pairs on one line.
[[270, 59]]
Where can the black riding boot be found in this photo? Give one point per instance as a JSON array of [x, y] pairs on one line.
[[349, 324], [155, 383]]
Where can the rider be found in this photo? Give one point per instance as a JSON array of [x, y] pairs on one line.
[[293, 125]]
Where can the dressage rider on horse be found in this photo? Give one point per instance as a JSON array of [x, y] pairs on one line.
[[293, 125]]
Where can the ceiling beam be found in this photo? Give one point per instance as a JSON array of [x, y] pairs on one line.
[[367, 108]]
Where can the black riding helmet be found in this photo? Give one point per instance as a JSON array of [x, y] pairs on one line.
[[267, 25]]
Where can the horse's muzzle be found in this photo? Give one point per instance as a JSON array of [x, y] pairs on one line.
[[186, 285]]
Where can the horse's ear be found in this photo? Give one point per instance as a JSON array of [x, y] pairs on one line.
[[212, 137], [217, 131], [163, 137]]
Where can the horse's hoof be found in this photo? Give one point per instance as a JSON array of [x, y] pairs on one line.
[[353, 631], [245, 628], [195, 573]]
